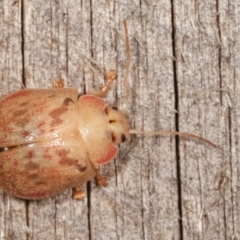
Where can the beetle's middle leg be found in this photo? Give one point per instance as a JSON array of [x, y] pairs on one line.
[[100, 179], [109, 77]]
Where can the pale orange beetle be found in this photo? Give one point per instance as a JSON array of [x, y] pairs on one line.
[[53, 141]]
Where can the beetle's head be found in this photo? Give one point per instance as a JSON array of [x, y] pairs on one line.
[[118, 124]]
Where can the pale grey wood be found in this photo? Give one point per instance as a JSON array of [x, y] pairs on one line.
[[78, 41], [208, 106], [13, 219], [229, 20], [47, 37]]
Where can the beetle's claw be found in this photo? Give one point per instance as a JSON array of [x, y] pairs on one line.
[[78, 193], [101, 180], [58, 83]]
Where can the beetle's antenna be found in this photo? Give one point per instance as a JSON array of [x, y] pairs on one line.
[[150, 133], [184, 134], [127, 61]]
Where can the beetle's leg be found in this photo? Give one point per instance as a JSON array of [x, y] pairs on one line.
[[109, 76], [58, 83], [78, 193], [100, 179]]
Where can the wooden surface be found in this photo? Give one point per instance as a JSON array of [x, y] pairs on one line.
[[184, 75]]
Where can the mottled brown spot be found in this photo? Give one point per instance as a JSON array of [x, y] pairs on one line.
[[40, 183], [62, 152], [33, 176], [67, 101], [31, 166], [56, 113], [52, 96], [23, 104], [40, 124], [1, 164], [22, 122], [19, 112], [68, 161], [12, 185], [30, 154], [25, 133], [81, 168]]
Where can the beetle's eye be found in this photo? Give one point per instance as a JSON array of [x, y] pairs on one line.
[[123, 138], [118, 125]]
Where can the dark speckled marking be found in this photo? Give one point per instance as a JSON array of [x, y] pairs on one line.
[[23, 104], [19, 112], [68, 161], [12, 185], [55, 115], [62, 152], [30, 154], [31, 166], [81, 168], [33, 176], [25, 133], [52, 96], [22, 122]]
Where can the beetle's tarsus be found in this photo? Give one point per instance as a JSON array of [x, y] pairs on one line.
[[101, 180], [78, 193], [58, 83], [109, 77]]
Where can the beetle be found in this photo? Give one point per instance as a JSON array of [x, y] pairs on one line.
[[53, 141]]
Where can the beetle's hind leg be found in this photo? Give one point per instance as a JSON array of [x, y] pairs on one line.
[[78, 193], [109, 77]]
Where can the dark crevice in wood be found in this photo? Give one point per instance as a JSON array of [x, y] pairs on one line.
[[89, 209], [27, 217], [55, 218], [176, 95], [219, 51], [67, 63], [89, 183], [24, 85], [116, 184], [231, 166], [22, 44], [91, 27]]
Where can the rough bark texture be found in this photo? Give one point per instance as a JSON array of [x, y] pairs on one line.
[[184, 76]]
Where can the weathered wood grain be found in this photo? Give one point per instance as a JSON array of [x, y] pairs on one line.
[[184, 75]]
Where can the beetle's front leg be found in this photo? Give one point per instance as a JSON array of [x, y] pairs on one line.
[[109, 77], [58, 83]]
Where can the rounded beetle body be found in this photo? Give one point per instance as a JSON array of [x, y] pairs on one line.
[[52, 140]]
